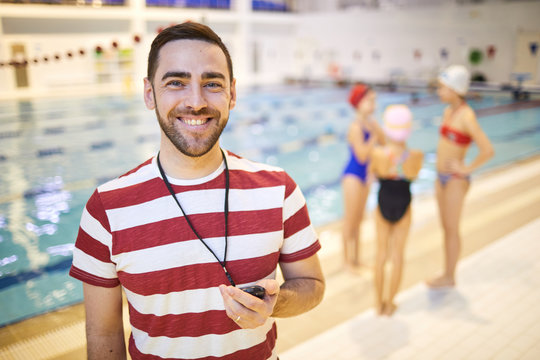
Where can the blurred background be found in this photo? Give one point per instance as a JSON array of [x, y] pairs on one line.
[[61, 45], [72, 117]]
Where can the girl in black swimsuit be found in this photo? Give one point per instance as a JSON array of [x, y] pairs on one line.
[[395, 166]]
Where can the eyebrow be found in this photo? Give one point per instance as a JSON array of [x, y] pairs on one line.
[[186, 75], [176, 74], [212, 75]]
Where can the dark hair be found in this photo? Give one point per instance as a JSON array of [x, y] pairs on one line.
[[184, 31]]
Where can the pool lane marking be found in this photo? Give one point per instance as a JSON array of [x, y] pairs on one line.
[[16, 278], [506, 108], [73, 186]]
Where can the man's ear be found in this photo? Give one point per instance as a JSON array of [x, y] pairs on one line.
[[232, 103], [149, 94]]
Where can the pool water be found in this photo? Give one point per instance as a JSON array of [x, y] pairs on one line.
[[54, 152]]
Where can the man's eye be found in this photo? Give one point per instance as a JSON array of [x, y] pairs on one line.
[[213, 85], [174, 83]]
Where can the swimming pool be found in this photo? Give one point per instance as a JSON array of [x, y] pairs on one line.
[[54, 152]]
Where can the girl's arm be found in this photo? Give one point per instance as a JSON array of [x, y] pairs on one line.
[[379, 163], [377, 129], [362, 149], [485, 148], [413, 164]]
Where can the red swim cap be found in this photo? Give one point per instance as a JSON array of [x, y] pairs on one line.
[[357, 93]]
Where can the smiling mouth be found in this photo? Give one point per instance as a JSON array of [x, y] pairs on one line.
[[194, 122]]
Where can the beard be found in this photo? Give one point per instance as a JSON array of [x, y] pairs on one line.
[[196, 144]]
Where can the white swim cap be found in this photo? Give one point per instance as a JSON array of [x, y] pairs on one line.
[[397, 122], [456, 77]]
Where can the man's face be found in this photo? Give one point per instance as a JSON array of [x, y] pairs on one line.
[[191, 94]]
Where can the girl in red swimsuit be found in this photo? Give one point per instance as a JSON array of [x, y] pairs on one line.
[[459, 128]]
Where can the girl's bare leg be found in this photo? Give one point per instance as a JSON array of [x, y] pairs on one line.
[[383, 234], [399, 234], [450, 199], [355, 194]]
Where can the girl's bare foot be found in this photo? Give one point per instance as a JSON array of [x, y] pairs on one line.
[[356, 268], [441, 282], [380, 309], [389, 309]]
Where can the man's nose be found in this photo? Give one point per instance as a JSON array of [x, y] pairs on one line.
[[195, 98]]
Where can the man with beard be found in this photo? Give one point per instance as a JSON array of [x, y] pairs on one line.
[[183, 233]]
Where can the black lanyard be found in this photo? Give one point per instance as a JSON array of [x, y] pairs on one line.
[[226, 211]]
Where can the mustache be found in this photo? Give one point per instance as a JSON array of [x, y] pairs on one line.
[[202, 112]]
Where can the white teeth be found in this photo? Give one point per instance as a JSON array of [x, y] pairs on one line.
[[194, 122]]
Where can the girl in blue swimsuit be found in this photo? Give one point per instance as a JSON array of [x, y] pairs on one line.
[[364, 133]]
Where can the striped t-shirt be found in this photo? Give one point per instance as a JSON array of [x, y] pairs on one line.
[[133, 234]]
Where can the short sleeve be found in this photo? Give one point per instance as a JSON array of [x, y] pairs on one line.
[[92, 253], [300, 238]]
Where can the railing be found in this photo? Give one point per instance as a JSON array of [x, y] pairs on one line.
[[257, 5]]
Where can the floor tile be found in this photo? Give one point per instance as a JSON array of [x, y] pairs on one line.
[[455, 322]]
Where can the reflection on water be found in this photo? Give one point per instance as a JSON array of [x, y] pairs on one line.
[[7, 260], [2, 225], [17, 218], [33, 265], [48, 229], [61, 250], [51, 202]]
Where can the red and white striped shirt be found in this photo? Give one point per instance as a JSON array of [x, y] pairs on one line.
[[132, 233]]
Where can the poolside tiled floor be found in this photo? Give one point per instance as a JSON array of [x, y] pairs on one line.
[[493, 313]]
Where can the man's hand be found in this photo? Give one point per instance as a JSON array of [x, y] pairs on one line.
[[247, 310]]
